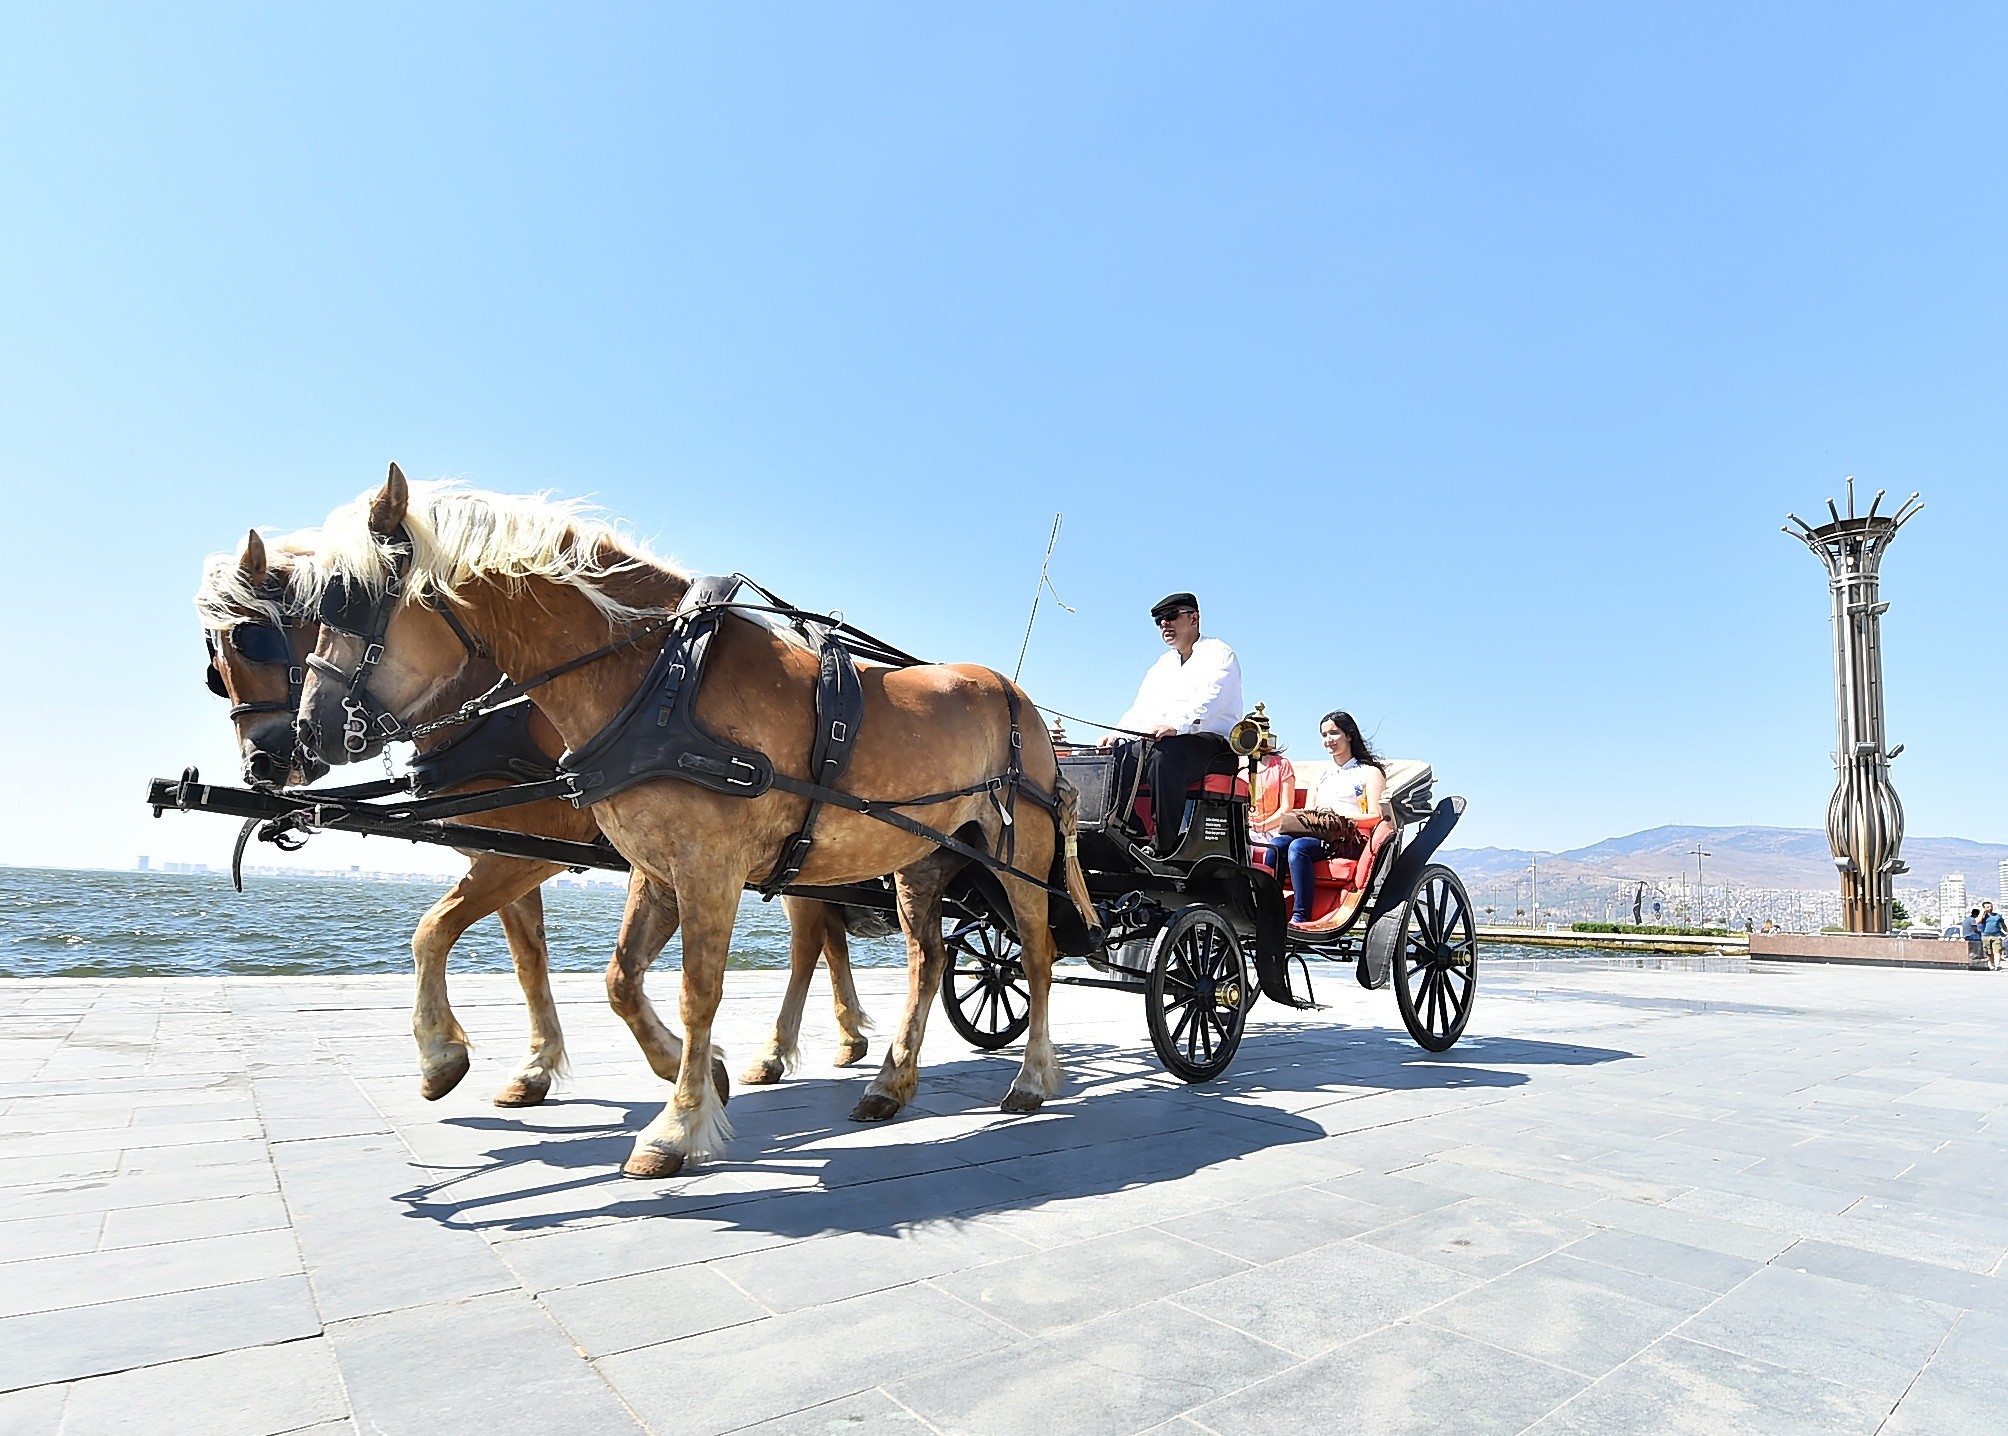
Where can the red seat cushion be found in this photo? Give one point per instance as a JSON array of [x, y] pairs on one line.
[[1224, 784]]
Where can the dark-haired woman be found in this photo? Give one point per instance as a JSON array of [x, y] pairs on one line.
[[1343, 808]]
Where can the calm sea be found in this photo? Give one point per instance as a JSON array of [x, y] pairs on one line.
[[56, 923]]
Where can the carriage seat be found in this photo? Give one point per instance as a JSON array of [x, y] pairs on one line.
[[1215, 785]]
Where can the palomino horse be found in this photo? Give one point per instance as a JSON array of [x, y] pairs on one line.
[[258, 642], [539, 588]]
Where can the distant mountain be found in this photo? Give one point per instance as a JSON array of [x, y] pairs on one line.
[[1746, 857]]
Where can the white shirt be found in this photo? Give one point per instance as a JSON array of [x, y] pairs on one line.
[[1200, 695], [1342, 790]]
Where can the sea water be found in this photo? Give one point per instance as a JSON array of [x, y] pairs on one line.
[[61, 923], [58, 923]]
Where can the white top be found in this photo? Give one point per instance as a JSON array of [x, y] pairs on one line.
[[1200, 695], [1342, 790]]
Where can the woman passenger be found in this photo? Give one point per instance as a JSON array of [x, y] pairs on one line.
[[1347, 796]]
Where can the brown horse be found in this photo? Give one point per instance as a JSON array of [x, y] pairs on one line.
[[258, 642], [538, 586]]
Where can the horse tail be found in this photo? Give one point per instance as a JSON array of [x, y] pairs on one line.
[[1066, 821]]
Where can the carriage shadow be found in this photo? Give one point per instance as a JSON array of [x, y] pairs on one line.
[[800, 1168]]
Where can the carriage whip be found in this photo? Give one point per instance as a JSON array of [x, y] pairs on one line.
[[1044, 587]]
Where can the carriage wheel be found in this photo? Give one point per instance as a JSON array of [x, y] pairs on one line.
[[1196, 999], [1436, 961], [983, 992]]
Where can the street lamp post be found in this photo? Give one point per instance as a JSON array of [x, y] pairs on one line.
[[1700, 889], [1864, 818]]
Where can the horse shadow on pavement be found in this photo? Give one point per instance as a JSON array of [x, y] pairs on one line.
[[798, 1167]]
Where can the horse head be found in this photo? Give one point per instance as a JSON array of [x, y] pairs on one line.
[[258, 645]]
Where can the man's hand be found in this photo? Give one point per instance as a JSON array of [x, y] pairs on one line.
[[1164, 730], [1107, 741]]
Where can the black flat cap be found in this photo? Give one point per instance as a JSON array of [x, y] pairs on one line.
[[1172, 603]]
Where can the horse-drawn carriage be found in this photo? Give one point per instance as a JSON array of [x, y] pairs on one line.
[[686, 712], [1203, 931]]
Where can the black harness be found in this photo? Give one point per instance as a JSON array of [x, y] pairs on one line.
[[656, 733]]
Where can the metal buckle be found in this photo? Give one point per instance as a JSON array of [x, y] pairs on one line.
[[838, 732], [372, 655]]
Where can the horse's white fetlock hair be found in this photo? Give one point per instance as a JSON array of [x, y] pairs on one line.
[[459, 533]]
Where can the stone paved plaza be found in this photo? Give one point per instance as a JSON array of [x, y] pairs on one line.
[[1751, 1199]]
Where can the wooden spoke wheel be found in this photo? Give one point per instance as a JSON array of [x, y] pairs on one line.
[[1196, 998], [1436, 961], [983, 992]]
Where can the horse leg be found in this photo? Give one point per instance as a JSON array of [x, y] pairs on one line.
[[806, 922], [491, 882], [646, 928], [693, 1125], [919, 889], [523, 925], [1039, 1076], [851, 1019]]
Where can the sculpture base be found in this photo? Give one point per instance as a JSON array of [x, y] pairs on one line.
[[1856, 947]]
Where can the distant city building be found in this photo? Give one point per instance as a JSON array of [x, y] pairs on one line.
[[2004, 877], [1952, 897], [2004, 871]]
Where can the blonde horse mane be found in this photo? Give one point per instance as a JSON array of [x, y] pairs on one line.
[[224, 600], [460, 533]]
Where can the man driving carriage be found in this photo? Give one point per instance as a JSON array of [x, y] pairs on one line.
[[1188, 701]]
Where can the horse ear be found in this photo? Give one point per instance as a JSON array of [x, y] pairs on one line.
[[387, 509], [251, 563]]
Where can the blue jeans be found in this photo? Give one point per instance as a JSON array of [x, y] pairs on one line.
[[1295, 855]]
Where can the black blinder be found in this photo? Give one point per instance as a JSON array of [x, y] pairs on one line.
[[215, 680], [262, 643], [349, 607]]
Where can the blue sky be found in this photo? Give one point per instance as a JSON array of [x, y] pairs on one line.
[[1465, 359]]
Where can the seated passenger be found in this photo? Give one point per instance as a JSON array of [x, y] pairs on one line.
[[1187, 702], [1330, 825], [1275, 786]]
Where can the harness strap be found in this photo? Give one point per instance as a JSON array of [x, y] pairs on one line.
[[840, 706]]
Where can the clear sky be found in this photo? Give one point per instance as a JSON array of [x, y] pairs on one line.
[[1464, 359]]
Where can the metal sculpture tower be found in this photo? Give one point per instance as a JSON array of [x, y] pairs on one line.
[[1864, 818]]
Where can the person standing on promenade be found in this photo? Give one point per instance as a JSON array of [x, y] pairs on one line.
[[1188, 701], [1969, 928], [1992, 930]]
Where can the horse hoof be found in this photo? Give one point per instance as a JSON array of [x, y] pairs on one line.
[[720, 1081], [522, 1092], [762, 1074], [851, 1051], [1016, 1101], [874, 1108], [436, 1084], [652, 1162]]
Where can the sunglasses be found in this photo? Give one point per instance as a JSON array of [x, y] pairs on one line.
[[1163, 619]]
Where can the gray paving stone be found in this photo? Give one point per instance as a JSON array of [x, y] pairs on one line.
[[1046, 1290], [747, 1374], [1408, 1379], [37, 1411], [1671, 1261], [1121, 1374], [1312, 1302], [183, 1221], [82, 1341], [510, 1362], [1680, 1388], [367, 1248], [831, 1268], [88, 1278], [1280, 1224], [1479, 1236], [869, 1413], [49, 1236], [250, 1392], [1964, 1391], [1729, 1238], [1546, 1311], [110, 1193], [607, 1317], [1874, 1341]]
